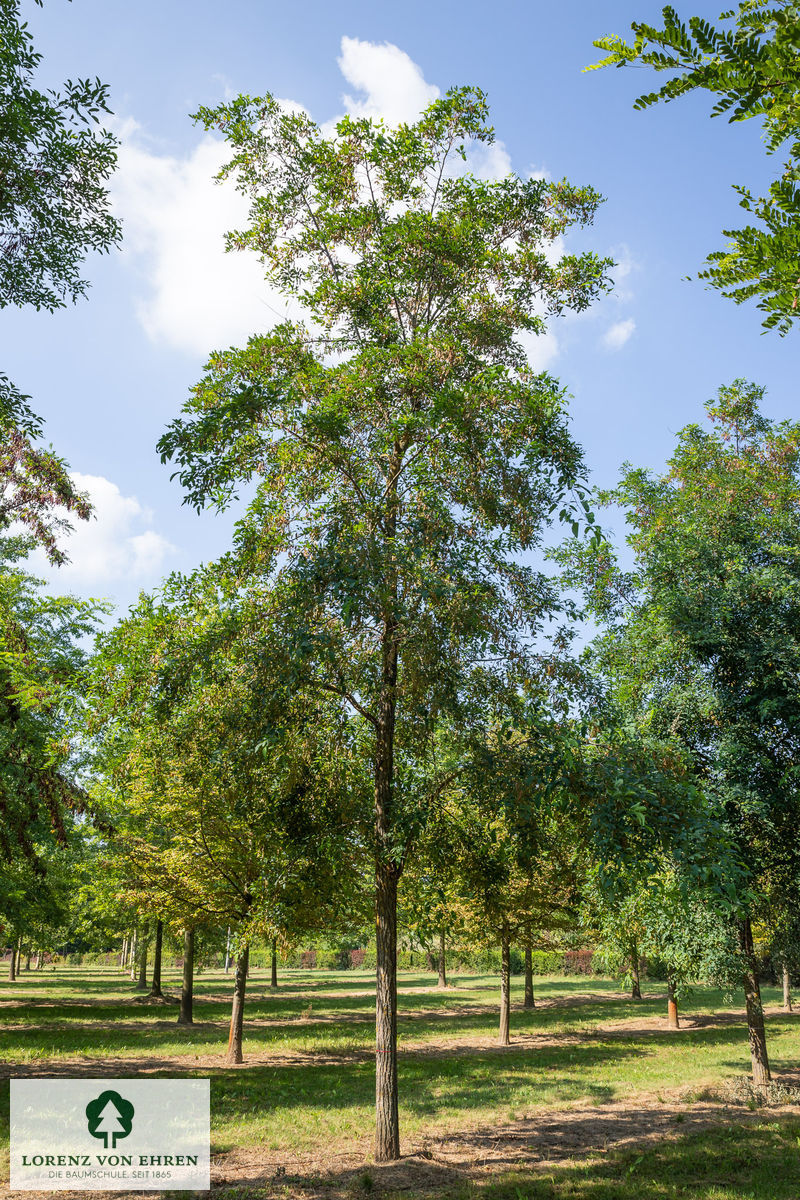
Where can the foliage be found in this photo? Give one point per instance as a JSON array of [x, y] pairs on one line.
[[54, 163], [751, 64]]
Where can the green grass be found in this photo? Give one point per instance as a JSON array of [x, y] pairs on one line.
[[308, 1078]]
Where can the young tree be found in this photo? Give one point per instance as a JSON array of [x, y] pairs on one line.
[[717, 575], [750, 63], [407, 453]]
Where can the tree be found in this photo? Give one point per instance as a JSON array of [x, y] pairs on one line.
[[750, 63], [717, 575], [407, 453]]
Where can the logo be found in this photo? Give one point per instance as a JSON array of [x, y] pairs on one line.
[[110, 1116]]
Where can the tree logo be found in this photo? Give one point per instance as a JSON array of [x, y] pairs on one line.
[[109, 1116]]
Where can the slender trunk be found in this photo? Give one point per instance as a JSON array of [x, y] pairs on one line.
[[237, 1010], [141, 986], [636, 990], [787, 989], [187, 986], [505, 985], [529, 999], [442, 961], [28, 956], [123, 954], [12, 966], [228, 950], [273, 982], [155, 986], [672, 1005], [38, 962], [133, 954], [755, 1012], [430, 961], [387, 1124]]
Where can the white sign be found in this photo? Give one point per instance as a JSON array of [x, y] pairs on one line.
[[110, 1134]]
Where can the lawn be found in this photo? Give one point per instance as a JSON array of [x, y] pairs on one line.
[[594, 1099]]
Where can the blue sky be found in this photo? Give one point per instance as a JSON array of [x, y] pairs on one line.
[[111, 373]]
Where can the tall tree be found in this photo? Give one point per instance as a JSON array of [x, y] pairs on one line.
[[750, 64], [407, 453]]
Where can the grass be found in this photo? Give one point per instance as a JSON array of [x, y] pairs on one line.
[[308, 1079]]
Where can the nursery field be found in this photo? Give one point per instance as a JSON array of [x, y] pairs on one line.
[[595, 1098]]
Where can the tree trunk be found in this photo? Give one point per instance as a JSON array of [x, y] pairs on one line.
[[12, 966], [155, 986], [387, 1122], [228, 950], [38, 963], [636, 990], [755, 1012], [141, 986], [672, 1005], [123, 954], [133, 954], [187, 985], [505, 986], [442, 961], [237, 1010], [787, 989], [273, 982], [28, 956], [529, 999]]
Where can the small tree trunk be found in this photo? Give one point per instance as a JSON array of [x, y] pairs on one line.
[[636, 990], [530, 1002], [442, 961], [28, 957], [228, 950], [187, 986], [133, 954], [505, 986], [141, 985], [38, 962], [155, 986], [787, 989], [12, 966], [755, 1012], [672, 1005], [123, 954], [387, 1118], [237, 1010], [273, 982]]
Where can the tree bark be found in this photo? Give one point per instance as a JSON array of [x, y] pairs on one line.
[[141, 986], [273, 982], [12, 966], [755, 1013], [636, 990], [133, 954], [530, 1002], [387, 1123], [672, 1005], [442, 964], [123, 954], [38, 962], [28, 956], [237, 1009], [505, 986], [787, 989], [155, 986], [187, 985]]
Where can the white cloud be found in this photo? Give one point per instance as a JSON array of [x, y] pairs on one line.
[[394, 86], [626, 266], [541, 348], [175, 217], [115, 544], [619, 333]]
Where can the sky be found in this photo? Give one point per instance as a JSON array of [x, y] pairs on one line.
[[109, 374]]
